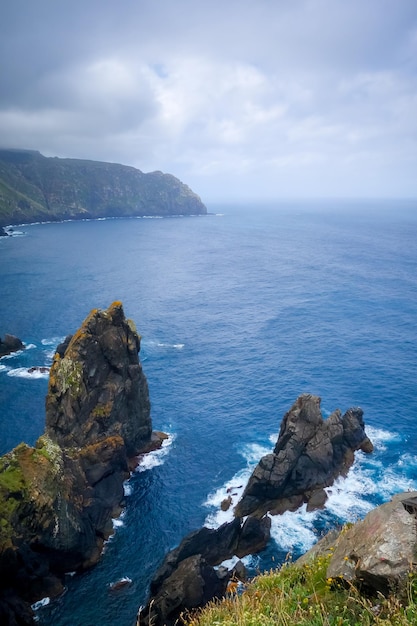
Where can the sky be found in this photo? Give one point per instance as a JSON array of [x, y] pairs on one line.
[[240, 99]]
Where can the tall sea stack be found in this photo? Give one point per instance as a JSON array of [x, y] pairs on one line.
[[58, 498]]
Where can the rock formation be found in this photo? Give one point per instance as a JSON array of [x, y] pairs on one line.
[[59, 498], [309, 454], [187, 578], [34, 188], [9, 344], [377, 553]]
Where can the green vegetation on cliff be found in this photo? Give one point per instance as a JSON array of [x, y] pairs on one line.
[[37, 188], [303, 595]]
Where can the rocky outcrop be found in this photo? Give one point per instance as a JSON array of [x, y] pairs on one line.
[[97, 388], [59, 498], [9, 344], [375, 554], [34, 188], [378, 552], [187, 578], [309, 454]]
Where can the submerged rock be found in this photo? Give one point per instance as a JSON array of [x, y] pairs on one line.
[[309, 455], [58, 498]]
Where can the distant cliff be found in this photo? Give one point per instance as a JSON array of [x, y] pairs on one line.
[[36, 188]]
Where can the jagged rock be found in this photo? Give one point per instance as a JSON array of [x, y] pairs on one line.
[[191, 585], [187, 572], [379, 551], [9, 344], [309, 454], [215, 545], [254, 536], [57, 500], [97, 387]]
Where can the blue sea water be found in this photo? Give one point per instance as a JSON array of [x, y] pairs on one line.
[[239, 312]]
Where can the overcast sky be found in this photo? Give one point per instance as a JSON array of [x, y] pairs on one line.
[[238, 98]]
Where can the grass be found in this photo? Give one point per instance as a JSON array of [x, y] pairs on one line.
[[303, 596]]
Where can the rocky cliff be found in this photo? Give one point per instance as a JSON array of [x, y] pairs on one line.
[[309, 454], [58, 498], [36, 188]]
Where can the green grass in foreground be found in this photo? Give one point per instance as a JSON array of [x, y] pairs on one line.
[[303, 596]]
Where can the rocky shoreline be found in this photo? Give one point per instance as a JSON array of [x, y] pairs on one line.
[[59, 497]]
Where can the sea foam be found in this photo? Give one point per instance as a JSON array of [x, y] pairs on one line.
[[23, 372], [350, 498], [156, 457]]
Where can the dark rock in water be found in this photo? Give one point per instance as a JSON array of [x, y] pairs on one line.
[[35, 369], [191, 585], [9, 344], [215, 545], [120, 584], [309, 454], [61, 495], [187, 579]]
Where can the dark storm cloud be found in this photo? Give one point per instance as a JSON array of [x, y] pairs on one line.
[[245, 97]]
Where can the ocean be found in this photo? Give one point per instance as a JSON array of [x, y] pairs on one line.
[[240, 312]]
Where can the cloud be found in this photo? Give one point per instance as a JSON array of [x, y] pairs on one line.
[[238, 99]]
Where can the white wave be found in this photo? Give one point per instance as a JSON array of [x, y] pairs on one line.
[[23, 372], [156, 457], [348, 497], [14, 233], [253, 452], [394, 482], [127, 488], [52, 341], [3, 367], [380, 437], [231, 491], [12, 355], [40, 603], [117, 523], [30, 346], [273, 439], [294, 530], [49, 354], [177, 346]]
